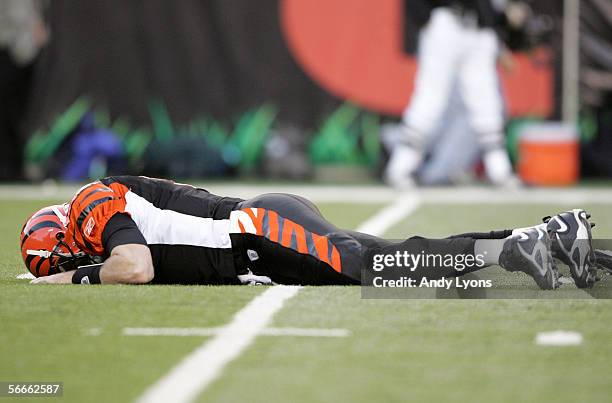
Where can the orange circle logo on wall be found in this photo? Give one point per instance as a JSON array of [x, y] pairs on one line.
[[354, 50]]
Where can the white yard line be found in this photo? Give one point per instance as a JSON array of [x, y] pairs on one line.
[[380, 222], [172, 331], [559, 338], [196, 371], [213, 331], [192, 375], [304, 332]]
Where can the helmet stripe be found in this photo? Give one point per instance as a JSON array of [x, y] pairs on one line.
[[28, 261], [43, 213], [40, 262], [36, 215], [40, 225]]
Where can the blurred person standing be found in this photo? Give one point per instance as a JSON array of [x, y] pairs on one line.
[[458, 47], [22, 34]]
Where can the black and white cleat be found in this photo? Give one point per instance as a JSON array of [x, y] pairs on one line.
[[529, 251], [570, 234]]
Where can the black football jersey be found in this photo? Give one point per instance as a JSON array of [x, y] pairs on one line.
[[186, 228]]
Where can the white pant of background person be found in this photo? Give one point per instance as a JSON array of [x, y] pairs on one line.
[[453, 52]]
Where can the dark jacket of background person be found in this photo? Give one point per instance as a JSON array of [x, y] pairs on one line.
[[22, 34]]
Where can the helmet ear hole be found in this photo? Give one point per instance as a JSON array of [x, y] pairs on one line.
[[60, 236]]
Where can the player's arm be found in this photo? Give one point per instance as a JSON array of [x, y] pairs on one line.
[[129, 259], [128, 264]]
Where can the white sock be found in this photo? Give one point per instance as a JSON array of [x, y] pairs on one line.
[[489, 249], [404, 162], [497, 166]]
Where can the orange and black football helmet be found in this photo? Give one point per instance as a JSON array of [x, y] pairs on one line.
[[45, 247]]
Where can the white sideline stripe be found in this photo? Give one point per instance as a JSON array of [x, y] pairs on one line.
[[380, 222], [25, 276], [559, 338], [186, 380], [213, 331], [356, 194]]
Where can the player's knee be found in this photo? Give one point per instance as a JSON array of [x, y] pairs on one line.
[[424, 120], [486, 121]]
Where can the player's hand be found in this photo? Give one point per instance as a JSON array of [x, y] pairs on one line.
[[251, 279], [59, 278], [42, 280]]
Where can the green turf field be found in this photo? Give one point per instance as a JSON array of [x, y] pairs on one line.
[[397, 350]]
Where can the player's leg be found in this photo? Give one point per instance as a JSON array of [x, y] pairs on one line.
[[479, 84], [437, 59], [528, 251], [286, 238]]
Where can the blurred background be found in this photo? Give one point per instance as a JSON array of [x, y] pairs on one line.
[[292, 89]]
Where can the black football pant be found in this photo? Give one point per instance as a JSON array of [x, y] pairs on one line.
[[295, 244]]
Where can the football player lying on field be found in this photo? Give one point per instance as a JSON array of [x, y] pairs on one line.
[[138, 230]]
